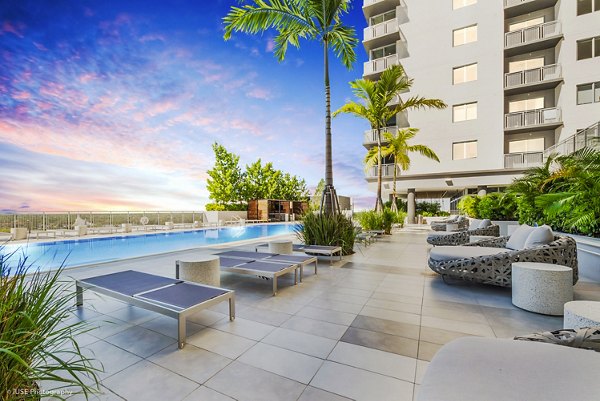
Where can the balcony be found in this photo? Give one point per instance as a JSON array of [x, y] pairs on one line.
[[533, 120], [373, 68], [370, 137], [374, 7], [512, 8], [523, 160], [546, 77], [387, 171], [382, 34], [534, 38], [589, 137]]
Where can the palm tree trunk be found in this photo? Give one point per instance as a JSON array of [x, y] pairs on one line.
[[378, 201], [394, 206], [329, 197]]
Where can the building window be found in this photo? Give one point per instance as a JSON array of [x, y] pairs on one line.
[[588, 93], [464, 150], [456, 4], [587, 6], [463, 74], [464, 112], [465, 35], [588, 48], [526, 145], [383, 52], [526, 104], [517, 26], [515, 66], [378, 19]]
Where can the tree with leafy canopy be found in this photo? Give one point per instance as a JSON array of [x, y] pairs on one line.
[[225, 182], [375, 104], [303, 19]]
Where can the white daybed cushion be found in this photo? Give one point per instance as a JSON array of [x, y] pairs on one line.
[[485, 223], [490, 369], [539, 236], [446, 253], [519, 237], [475, 223]]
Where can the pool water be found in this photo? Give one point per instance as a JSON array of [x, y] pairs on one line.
[[51, 255]]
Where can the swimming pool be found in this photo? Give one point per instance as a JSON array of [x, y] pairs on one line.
[[50, 255]]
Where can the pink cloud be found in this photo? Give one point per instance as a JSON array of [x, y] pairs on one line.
[[260, 93], [16, 29], [151, 37], [270, 45], [21, 95]]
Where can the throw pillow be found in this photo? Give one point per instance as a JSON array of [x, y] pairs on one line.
[[519, 237]]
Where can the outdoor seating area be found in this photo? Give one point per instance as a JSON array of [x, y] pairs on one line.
[[374, 325]]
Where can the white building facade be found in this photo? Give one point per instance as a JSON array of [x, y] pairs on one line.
[[521, 79]]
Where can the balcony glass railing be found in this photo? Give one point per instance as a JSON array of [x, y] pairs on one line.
[[523, 160], [382, 29], [532, 34], [380, 64], [387, 171], [371, 135], [531, 118], [589, 137], [532, 76]]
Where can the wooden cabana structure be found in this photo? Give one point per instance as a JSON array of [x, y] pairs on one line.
[[275, 209]]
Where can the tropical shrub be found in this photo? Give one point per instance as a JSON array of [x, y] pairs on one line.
[[441, 213], [327, 229], [468, 205], [497, 206], [372, 220], [400, 204], [432, 208], [37, 341]]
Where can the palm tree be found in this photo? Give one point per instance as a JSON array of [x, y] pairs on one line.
[[398, 148], [303, 19], [374, 106]]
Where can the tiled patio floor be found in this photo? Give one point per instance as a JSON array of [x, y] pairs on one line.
[[363, 329]]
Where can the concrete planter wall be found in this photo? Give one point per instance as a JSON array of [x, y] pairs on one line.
[[213, 217], [504, 230], [588, 257]]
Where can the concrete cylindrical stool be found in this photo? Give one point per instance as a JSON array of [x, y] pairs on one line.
[[281, 247], [206, 271], [580, 314], [541, 287]]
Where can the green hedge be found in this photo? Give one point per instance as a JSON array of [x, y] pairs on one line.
[[233, 207], [371, 220], [494, 206]]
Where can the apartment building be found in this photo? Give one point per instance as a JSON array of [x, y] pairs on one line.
[[521, 79]]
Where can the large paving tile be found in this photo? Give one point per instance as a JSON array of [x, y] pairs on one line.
[[300, 342], [384, 342], [149, 382], [140, 341], [387, 326], [387, 314], [385, 363], [336, 305], [316, 394], [112, 358], [245, 328], [315, 327], [168, 326], [272, 318], [477, 329], [360, 384], [206, 394], [286, 363], [207, 317], [247, 383], [396, 306], [439, 336], [454, 314], [133, 315], [220, 342], [190, 362], [106, 326], [326, 315], [428, 350], [421, 370]]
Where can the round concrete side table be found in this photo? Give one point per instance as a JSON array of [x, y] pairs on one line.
[[580, 314], [206, 271], [541, 287], [282, 247]]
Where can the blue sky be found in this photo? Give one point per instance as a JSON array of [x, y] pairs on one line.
[[114, 105]]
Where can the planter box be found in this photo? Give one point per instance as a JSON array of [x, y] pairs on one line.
[[588, 257]]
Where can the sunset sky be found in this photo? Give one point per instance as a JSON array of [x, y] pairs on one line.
[[114, 105]]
